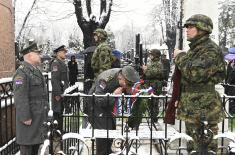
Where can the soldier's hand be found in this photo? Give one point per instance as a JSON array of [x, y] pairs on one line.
[[176, 103], [118, 91], [57, 98], [144, 67], [28, 122], [176, 52]]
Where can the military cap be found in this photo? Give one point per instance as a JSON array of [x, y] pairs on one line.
[[31, 48], [101, 33], [130, 74], [201, 22], [155, 52], [61, 48]]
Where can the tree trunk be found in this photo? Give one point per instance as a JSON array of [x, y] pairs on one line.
[[89, 26]]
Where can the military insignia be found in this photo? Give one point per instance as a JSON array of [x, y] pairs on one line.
[[54, 68], [102, 83], [21, 66], [19, 80], [110, 78]]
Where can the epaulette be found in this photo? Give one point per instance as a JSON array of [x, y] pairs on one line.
[[109, 78], [24, 68], [21, 66]]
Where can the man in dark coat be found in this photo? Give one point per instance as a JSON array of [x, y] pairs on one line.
[[31, 102], [166, 66], [59, 81], [106, 82], [73, 70], [230, 89], [102, 118]]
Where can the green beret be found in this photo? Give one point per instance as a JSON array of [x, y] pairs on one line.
[[31, 48]]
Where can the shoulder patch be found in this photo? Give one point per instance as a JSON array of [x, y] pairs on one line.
[[55, 68], [19, 80], [102, 83]]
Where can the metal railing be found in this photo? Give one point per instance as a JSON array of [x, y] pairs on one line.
[[76, 115], [74, 119], [7, 115]]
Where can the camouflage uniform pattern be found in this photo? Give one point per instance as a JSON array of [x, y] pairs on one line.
[[102, 58], [154, 75], [201, 68], [200, 21], [193, 132]]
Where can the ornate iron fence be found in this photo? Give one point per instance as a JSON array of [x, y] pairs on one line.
[[75, 121]]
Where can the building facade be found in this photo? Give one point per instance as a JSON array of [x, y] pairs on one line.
[[7, 47]]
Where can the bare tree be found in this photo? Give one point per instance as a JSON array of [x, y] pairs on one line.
[[167, 19], [90, 25], [227, 24], [25, 19], [170, 12]]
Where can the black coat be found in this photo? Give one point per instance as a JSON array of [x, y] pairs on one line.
[[73, 72], [230, 79], [102, 107]]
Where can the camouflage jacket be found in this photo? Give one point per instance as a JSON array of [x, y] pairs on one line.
[[102, 58], [154, 75], [201, 68]]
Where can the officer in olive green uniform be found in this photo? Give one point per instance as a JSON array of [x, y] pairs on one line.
[[153, 73], [31, 102], [106, 82], [102, 58], [201, 68], [59, 81], [102, 118]]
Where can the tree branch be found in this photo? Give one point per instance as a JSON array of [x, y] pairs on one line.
[[102, 6], [25, 20], [78, 12], [105, 19], [88, 7]]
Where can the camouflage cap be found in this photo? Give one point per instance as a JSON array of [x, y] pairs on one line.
[[155, 52], [31, 48], [130, 74], [200, 21], [101, 33]]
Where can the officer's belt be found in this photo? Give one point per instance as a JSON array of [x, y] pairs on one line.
[[198, 88]]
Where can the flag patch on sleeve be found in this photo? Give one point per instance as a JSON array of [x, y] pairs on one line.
[[55, 69], [19, 80]]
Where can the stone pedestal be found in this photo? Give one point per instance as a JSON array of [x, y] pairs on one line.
[[7, 49]]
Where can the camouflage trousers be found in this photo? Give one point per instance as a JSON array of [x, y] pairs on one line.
[[193, 130]]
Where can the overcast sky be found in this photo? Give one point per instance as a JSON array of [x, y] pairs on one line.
[[135, 12], [128, 12]]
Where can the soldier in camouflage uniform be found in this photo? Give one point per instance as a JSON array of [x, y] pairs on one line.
[[201, 68], [153, 73], [31, 102], [102, 58], [59, 81]]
